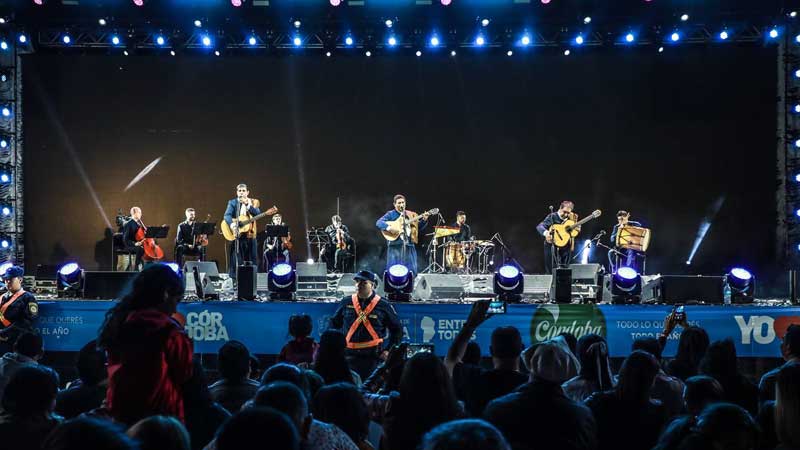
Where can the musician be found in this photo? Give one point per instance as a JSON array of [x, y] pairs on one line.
[[552, 254], [402, 250], [465, 233], [275, 248], [129, 231], [341, 245], [629, 258], [242, 205], [186, 240], [18, 309]]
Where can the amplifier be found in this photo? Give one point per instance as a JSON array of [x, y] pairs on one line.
[[684, 289]]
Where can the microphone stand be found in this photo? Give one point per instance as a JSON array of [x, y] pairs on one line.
[[511, 258]]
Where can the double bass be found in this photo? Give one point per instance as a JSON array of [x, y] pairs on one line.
[[152, 252]]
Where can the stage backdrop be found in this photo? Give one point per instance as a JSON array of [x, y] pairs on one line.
[[666, 136]]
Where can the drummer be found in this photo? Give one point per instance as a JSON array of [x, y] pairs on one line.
[[628, 257], [465, 233]]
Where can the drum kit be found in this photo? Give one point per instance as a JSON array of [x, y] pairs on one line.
[[465, 257]]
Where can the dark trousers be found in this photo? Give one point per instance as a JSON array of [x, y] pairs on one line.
[[248, 253], [139, 252], [343, 260], [562, 256], [363, 362], [394, 255], [272, 257], [184, 250]]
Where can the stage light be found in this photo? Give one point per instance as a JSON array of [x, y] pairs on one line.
[[23, 39], [579, 39], [115, 40], [236, 3], [310, 261], [684, 17], [723, 35], [797, 38], [544, 2], [2, 20], [217, 53], [392, 41], [434, 41], [479, 41], [587, 20], [139, 3], [566, 52], [335, 2], [66, 39], [125, 52], [348, 41], [797, 73], [328, 54], [172, 53], [175, 267], [368, 53], [675, 37], [797, 178], [419, 53], [797, 213], [388, 23], [6, 211], [297, 24], [526, 40], [445, 2], [38, 2], [797, 143], [69, 278], [626, 286], [6, 111], [5, 243], [3, 143], [198, 23], [102, 22], [660, 49], [629, 37], [773, 33], [3, 45], [252, 40], [160, 40], [739, 286], [281, 282], [452, 53], [509, 283], [206, 41], [398, 283], [509, 53], [4, 178], [485, 22], [4, 267], [297, 41], [793, 14]]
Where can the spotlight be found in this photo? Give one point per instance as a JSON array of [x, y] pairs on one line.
[[797, 213], [38, 2], [175, 267], [310, 261], [368, 53], [452, 53], [566, 52], [198, 23], [675, 36], [485, 22], [797, 178], [419, 53], [544, 2], [4, 267], [684, 18], [509, 53], [125, 52], [2, 20], [660, 49], [297, 24], [3, 45], [66, 39], [392, 41], [739, 286], [281, 282], [587, 20], [139, 3], [172, 52], [6, 211], [434, 41], [398, 282], [348, 41], [797, 38], [723, 35], [69, 279], [115, 40], [216, 53], [389, 23], [629, 37], [6, 111], [479, 41], [23, 39], [297, 41], [509, 283], [102, 22], [5, 243], [160, 40], [252, 40], [797, 73], [206, 41], [335, 2], [626, 286], [793, 14], [328, 54], [797, 143], [526, 40], [773, 33], [4, 178], [445, 2], [236, 3], [3, 143], [579, 39]]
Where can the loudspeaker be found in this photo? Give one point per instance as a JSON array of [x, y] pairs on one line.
[[431, 286], [207, 267], [586, 273], [561, 290], [106, 285], [687, 289], [312, 279], [247, 282]]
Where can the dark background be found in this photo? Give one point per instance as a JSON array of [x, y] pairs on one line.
[[662, 135]]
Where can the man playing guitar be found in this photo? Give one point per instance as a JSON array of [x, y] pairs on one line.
[[556, 256], [242, 205], [402, 250]]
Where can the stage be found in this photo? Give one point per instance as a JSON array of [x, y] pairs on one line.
[[756, 329]]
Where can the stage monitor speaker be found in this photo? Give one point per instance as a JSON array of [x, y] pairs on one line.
[[106, 285], [561, 289], [586, 273], [435, 286], [687, 289], [207, 267], [247, 282], [312, 279]]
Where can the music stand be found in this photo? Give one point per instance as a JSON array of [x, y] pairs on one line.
[[277, 231], [319, 238], [206, 228], [157, 232]]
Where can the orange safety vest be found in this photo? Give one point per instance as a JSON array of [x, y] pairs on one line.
[[362, 317], [5, 306]]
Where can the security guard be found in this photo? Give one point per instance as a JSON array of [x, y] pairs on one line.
[[18, 309], [365, 318]]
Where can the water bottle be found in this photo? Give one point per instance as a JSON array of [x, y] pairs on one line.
[[726, 294]]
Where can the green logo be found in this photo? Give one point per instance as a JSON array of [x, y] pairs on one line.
[[551, 320]]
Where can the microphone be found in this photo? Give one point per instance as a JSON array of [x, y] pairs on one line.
[[551, 209], [599, 235]]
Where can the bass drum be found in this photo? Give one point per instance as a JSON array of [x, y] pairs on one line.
[[633, 238], [454, 255]]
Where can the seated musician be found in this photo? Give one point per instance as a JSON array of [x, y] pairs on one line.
[[186, 240], [629, 258], [129, 231], [341, 245], [276, 249], [465, 233]]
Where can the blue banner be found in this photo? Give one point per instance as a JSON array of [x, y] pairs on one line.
[[756, 330]]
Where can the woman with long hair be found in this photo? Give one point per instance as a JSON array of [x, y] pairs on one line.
[[149, 354], [595, 374], [721, 363], [330, 361], [692, 346]]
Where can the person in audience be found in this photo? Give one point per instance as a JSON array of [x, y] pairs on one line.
[[149, 354], [302, 347], [89, 391], [330, 361], [314, 382], [464, 434], [720, 426], [203, 415], [473, 354], [551, 420], [790, 350], [571, 341], [480, 386], [595, 374], [88, 432], [28, 404], [253, 425], [235, 386], [28, 350], [787, 407], [668, 390], [692, 346], [342, 404], [720, 362], [286, 372], [314, 435], [700, 391], [255, 368], [160, 433], [627, 417]]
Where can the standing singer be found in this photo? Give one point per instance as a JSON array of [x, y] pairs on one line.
[[556, 256], [242, 206]]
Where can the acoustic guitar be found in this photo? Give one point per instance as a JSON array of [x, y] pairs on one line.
[[395, 229], [564, 232], [245, 223]]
